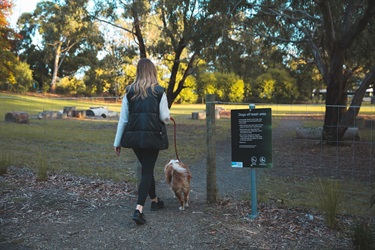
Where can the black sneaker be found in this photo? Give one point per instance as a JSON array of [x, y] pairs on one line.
[[139, 217], [157, 205]]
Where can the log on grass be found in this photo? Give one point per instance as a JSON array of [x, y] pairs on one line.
[[198, 115], [18, 117], [50, 115], [79, 113], [352, 133], [69, 110], [202, 115], [224, 113]]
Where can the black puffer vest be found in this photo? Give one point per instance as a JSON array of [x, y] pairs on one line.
[[144, 128]]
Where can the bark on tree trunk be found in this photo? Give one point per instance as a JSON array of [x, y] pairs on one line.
[[336, 99], [335, 110], [138, 34], [172, 80], [55, 67], [338, 118]]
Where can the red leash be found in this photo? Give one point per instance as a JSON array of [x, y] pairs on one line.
[[175, 138]]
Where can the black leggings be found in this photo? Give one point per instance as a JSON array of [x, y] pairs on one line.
[[147, 158]]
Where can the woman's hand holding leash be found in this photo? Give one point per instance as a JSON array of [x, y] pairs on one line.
[[117, 150]]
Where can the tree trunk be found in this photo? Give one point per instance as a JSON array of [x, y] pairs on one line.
[[336, 99], [338, 118], [335, 110], [172, 80], [138, 34], [56, 67], [142, 46]]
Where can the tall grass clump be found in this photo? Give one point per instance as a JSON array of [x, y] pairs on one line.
[[329, 196], [42, 167], [363, 236], [5, 162]]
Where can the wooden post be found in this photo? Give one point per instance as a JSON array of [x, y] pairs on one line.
[[211, 149]]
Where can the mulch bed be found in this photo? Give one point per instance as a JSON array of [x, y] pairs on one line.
[[60, 213]]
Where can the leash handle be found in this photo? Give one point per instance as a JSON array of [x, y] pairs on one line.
[[175, 138]]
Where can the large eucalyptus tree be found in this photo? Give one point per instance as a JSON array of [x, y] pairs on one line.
[[174, 31], [69, 38], [337, 36]]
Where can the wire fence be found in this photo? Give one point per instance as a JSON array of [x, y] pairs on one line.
[[76, 134], [301, 158]]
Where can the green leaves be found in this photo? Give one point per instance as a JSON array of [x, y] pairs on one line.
[[277, 86], [68, 38]]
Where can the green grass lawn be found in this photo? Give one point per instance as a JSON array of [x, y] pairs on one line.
[[82, 146], [85, 146]]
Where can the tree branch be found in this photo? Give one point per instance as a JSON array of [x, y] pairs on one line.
[[112, 24]]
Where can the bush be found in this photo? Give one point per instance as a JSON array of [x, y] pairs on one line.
[[70, 86], [363, 236], [22, 79]]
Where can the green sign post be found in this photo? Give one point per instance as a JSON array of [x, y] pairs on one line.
[[251, 132]]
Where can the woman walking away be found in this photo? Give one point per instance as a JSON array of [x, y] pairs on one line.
[[141, 126]]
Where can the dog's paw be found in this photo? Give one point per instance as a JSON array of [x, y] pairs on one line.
[[181, 208]]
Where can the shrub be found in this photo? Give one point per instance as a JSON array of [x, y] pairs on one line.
[[363, 236]]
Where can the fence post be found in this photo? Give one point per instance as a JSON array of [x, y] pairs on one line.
[[211, 149]]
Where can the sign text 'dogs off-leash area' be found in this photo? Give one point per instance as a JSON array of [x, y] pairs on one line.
[[251, 132]]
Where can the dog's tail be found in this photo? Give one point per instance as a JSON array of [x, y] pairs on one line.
[[183, 170], [177, 167]]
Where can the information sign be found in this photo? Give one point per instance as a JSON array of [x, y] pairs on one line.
[[251, 132]]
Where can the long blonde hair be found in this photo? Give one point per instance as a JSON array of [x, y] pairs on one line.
[[146, 77]]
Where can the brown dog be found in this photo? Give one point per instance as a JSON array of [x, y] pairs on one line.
[[178, 177]]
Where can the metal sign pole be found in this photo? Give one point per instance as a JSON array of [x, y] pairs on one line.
[[254, 202]]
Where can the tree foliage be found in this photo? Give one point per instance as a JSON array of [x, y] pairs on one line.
[[21, 78], [274, 50], [71, 86], [277, 86], [69, 39], [174, 31], [334, 35], [8, 37], [228, 87]]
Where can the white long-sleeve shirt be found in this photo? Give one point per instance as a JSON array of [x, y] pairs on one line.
[[124, 116]]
